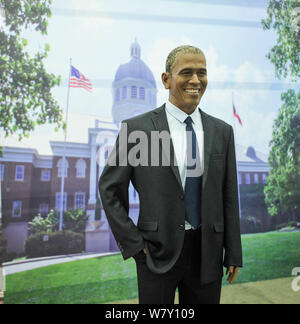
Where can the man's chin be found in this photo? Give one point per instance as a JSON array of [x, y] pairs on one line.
[[192, 104], [188, 104]]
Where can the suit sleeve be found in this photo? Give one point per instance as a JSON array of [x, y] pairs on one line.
[[233, 246], [113, 188]]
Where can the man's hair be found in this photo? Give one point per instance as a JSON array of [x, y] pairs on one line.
[[186, 49]]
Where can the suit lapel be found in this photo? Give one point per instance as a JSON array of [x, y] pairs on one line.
[[161, 124], [208, 128]]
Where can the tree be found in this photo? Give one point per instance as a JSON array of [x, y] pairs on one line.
[[283, 17], [283, 184], [25, 85]]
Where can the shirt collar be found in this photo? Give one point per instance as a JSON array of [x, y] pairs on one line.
[[179, 114]]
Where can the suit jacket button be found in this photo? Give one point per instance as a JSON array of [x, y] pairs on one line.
[[181, 197]]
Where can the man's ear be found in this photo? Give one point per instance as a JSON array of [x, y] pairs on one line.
[[165, 78]]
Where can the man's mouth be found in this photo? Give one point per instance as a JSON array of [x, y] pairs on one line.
[[192, 91]]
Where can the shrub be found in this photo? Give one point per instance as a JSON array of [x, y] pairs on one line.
[[289, 224], [73, 220], [40, 225], [56, 243]]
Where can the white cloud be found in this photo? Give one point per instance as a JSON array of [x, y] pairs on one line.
[[157, 55], [216, 70], [256, 130], [87, 26], [247, 72]]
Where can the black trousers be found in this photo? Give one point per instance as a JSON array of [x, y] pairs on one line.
[[185, 275]]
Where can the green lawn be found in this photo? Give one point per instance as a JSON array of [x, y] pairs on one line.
[[269, 255], [101, 280]]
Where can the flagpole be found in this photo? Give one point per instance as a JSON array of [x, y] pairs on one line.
[[64, 157], [237, 165]]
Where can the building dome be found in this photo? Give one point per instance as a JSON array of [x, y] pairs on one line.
[[134, 87], [250, 152], [135, 68]]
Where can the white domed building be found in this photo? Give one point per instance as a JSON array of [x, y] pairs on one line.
[[134, 88]]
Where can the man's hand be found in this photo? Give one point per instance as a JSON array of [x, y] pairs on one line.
[[145, 251], [232, 272]]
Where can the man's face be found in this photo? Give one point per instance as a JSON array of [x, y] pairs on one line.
[[187, 81]]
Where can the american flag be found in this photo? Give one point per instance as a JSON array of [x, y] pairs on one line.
[[236, 115], [78, 80]]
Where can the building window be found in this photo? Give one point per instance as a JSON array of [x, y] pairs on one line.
[[256, 179], [124, 92], [133, 92], [248, 179], [58, 201], [142, 93], [20, 173], [60, 168], [2, 171], [44, 210], [80, 169], [17, 209], [118, 94], [79, 200], [46, 175], [264, 177], [240, 178]]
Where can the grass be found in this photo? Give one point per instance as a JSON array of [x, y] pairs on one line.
[[269, 255], [101, 280], [78, 282]]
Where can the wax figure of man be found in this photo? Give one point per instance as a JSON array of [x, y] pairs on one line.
[[189, 213]]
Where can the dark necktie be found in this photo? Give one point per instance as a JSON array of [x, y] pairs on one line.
[[193, 180]]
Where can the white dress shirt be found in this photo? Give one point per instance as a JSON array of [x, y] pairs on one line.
[[176, 118]]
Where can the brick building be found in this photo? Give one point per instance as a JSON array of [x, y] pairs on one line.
[[31, 183]]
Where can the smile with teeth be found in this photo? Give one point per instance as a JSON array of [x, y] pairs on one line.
[[192, 91]]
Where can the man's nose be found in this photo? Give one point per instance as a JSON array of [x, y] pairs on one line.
[[194, 79]]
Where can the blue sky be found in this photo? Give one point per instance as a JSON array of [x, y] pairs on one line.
[[97, 35]]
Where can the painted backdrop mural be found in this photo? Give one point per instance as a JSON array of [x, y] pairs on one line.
[[118, 51]]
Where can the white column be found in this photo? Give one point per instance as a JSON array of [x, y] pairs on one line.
[[93, 170]]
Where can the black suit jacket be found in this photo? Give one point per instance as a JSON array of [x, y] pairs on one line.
[[161, 223]]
